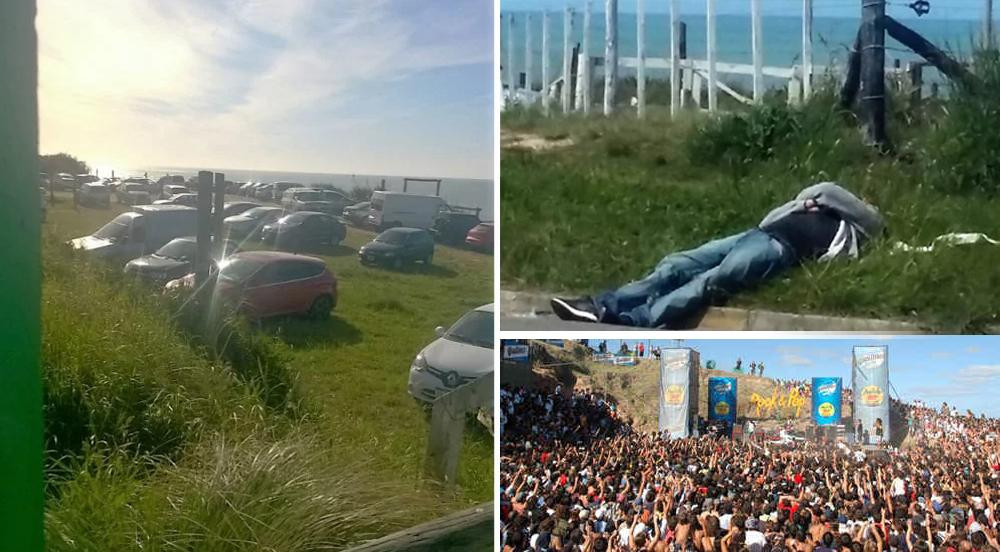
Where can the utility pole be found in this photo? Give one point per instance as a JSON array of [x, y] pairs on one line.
[[585, 66], [873, 70]]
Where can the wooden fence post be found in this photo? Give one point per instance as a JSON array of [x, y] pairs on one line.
[[640, 71], [915, 70], [758, 53], [217, 216], [567, 60], [546, 77], [527, 54], [204, 232], [713, 89], [448, 424], [610, 55], [675, 56], [585, 67], [873, 70], [23, 491], [807, 49]]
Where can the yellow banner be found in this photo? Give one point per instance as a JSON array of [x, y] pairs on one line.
[[781, 401]]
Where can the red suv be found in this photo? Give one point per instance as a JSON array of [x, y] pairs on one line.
[[273, 283], [481, 237]]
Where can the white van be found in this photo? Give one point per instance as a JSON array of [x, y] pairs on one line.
[[142, 230], [392, 209]]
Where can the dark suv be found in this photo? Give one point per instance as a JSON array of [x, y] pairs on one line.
[[399, 246]]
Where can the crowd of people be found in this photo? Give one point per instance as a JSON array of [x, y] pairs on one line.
[[575, 476]]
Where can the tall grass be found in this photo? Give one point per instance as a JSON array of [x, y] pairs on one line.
[[249, 493], [606, 210], [157, 442]]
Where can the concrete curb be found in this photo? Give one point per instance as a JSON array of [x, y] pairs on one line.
[[530, 311]]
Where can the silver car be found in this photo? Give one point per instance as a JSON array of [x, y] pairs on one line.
[[461, 354]]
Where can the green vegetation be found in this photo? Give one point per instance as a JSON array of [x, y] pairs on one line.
[[62, 163], [603, 211], [294, 435]]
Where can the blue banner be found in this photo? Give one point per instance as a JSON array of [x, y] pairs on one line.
[[826, 399], [722, 399], [516, 352]]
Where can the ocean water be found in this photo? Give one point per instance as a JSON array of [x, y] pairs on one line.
[[465, 192], [782, 39]]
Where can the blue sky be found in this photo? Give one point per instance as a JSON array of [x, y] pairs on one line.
[[940, 9], [345, 86], [961, 370]]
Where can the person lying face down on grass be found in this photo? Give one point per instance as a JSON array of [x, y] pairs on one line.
[[823, 222]]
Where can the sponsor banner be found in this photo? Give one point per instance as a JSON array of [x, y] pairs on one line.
[[625, 361], [870, 382], [722, 399], [516, 352], [556, 342], [678, 368], [826, 399]]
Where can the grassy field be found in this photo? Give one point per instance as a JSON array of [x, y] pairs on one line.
[[352, 373], [605, 209]]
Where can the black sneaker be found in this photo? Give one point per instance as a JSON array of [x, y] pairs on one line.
[[583, 309]]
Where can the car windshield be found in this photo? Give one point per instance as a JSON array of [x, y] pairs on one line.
[[309, 196], [475, 328], [117, 229], [392, 236], [259, 212], [178, 249], [134, 188], [237, 269]]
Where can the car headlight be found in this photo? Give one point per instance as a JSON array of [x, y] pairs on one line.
[[419, 363]]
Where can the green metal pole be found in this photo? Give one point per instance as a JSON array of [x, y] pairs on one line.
[[21, 488]]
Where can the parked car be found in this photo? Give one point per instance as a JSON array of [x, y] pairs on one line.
[[392, 209], [189, 199], [303, 229], [461, 354], [64, 181], [481, 237], [303, 199], [93, 194], [82, 179], [262, 284], [453, 227], [132, 194], [278, 190], [357, 214], [264, 192], [144, 229], [249, 223], [173, 260], [170, 190], [234, 208], [399, 246], [244, 189]]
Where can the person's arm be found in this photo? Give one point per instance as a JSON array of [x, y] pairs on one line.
[[631, 532], [848, 205]]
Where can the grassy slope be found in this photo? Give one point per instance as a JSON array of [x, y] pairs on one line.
[[604, 211], [355, 366]]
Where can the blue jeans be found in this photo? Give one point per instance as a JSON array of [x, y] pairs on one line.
[[683, 283]]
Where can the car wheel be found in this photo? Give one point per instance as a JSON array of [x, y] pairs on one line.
[[321, 307], [428, 259]]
